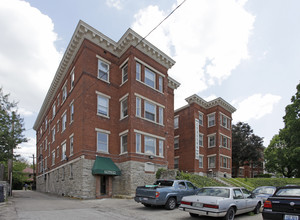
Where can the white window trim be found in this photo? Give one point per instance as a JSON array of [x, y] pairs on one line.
[[177, 116], [176, 137], [201, 113], [202, 140], [71, 136], [108, 73], [202, 156], [221, 141], [149, 100], [212, 135], [149, 67], [105, 96], [228, 121], [121, 142], [72, 103], [123, 82], [62, 116], [62, 90], [105, 132], [140, 135], [211, 155], [155, 146], [214, 113]]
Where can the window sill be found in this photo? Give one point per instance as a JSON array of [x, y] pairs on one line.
[[123, 83], [106, 81], [124, 117], [103, 116]]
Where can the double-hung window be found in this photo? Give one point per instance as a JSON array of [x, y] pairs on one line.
[[53, 158], [138, 71], [201, 118], [149, 78], [150, 145], [161, 148], [124, 143], [64, 93], [53, 134], [176, 142], [212, 140], [124, 107], [200, 161], [53, 110], [72, 79], [103, 70], [150, 111], [103, 105], [71, 112], [64, 122], [138, 143], [212, 162], [200, 140], [71, 145], [64, 151], [176, 122], [211, 120], [160, 115], [102, 141], [138, 106], [160, 83], [125, 73]]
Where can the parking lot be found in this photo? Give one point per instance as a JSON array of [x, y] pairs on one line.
[[35, 205]]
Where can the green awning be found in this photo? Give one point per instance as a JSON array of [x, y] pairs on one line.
[[105, 166]]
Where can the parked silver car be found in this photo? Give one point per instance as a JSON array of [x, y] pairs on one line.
[[221, 202], [264, 192]]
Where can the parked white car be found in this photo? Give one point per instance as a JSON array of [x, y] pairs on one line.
[[221, 202]]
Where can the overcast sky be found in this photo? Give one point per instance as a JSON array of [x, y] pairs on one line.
[[246, 52]]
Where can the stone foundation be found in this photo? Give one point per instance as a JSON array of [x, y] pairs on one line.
[[80, 182]]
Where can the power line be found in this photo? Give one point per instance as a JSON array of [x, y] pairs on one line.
[[160, 22]]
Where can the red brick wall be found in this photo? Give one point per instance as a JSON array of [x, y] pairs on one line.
[[85, 108]]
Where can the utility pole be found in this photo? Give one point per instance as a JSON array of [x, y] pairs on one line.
[[34, 174]]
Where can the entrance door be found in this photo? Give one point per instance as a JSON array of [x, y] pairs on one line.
[[103, 180]]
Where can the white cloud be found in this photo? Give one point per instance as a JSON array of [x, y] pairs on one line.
[[114, 4], [207, 39], [28, 56], [255, 107]]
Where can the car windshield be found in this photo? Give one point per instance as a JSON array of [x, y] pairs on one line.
[[218, 192], [288, 192], [164, 182], [264, 190]]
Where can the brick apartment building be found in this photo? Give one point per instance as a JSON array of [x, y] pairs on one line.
[[202, 137], [106, 124]]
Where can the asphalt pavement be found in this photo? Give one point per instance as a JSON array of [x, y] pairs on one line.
[[35, 205]]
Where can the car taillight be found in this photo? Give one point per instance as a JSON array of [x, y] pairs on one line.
[[210, 206], [268, 204], [157, 194], [186, 203]]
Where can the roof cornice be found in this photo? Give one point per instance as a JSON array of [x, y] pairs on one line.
[[216, 102], [85, 31]]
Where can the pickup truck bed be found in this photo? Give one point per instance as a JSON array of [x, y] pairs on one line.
[[166, 193]]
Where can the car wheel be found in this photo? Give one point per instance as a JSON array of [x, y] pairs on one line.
[[171, 203], [230, 214], [193, 215], [257, 208]]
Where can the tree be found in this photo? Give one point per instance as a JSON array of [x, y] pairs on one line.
[[11, 128], [247, 148], [284, 149], [279, 158], [19, 178]]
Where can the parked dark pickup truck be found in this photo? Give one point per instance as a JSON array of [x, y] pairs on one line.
[[164, 192]]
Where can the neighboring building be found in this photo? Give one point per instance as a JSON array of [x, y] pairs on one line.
[[106, 124], [29, 173], [202, 137], [249, 171]]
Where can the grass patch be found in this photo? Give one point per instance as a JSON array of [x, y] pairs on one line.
[[199, 181]]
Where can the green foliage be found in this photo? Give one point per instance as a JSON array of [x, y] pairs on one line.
[[158, 172], [256, 182], [199, 181], [246, 147], [283, 153], [11, 127], [19, 177]]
